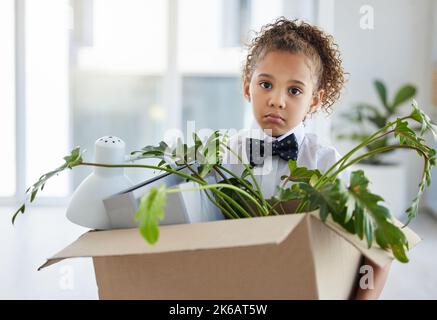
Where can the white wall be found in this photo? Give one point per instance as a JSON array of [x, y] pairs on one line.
[[397, 50]]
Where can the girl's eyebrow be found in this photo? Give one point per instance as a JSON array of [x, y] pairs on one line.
[[272, 77]]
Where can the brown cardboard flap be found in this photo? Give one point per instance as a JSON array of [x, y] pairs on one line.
[[375, 253], [182, 237], [336, 261], [211, 235]]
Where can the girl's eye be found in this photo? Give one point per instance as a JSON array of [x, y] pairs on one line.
[[294, 91], [265, 85]]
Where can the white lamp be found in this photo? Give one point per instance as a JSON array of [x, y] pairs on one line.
[[86, 206]]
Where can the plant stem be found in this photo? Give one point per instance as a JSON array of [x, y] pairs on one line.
[[249, 187], [227, 181], [177, 172], [231, 214], [250, 173], [369, 154], [380, 150], [225, 211], [325, 177], [372, 138], [188, 177], [221, 195], [221, 185]]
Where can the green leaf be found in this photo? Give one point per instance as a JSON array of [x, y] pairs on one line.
[[212, 144], [33, 195], [405, 93], [207, 154], [294, 192], [72, 160], [358, 189], [373, 220], [205, 169], [414, 207], [406, 134], [358, 219], [368, 230], [292, 165], [389, 236], [350, 208], [400, 253], [329, 199], [382, 93], [314, 179], [179, 154], [150, 212], [302, 174], [424, 120], [195, 151], [21, 209]]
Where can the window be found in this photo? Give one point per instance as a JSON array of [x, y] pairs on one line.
[[7, 99], [47, 92], [119, 59], [130, 68], [214, 102], [211, 57]]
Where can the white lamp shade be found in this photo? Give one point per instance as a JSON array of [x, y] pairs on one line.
[[86, 205]]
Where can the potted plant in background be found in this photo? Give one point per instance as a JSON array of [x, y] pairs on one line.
[[353, 206], [387, 171]]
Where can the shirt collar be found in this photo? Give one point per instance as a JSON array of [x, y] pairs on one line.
[[299, 133]]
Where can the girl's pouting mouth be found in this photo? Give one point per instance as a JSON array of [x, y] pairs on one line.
[[273, 118]]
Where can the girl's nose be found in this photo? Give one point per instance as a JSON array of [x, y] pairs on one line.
[[277, 100]]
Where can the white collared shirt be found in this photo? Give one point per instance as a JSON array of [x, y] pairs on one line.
[[313, 153]]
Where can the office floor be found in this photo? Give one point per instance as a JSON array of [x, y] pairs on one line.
[[41, 232]]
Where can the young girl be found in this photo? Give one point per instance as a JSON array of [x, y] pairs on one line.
[[292, 70]]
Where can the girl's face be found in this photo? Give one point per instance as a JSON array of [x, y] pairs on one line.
[[282, 91]]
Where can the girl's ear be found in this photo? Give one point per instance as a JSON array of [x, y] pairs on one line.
[[316, 101], [246, 89]]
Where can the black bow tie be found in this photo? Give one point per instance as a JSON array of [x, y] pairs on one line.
[[257, 150]]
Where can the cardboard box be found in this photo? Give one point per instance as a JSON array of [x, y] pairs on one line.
[[292, 256]]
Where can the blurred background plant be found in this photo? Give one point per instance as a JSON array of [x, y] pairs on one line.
[[367, 117]]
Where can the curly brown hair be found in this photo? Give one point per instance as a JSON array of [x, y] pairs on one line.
[[296, 36]]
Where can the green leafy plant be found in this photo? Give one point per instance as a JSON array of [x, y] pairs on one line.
[[208, 154], [371, 117], [352, 206]]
